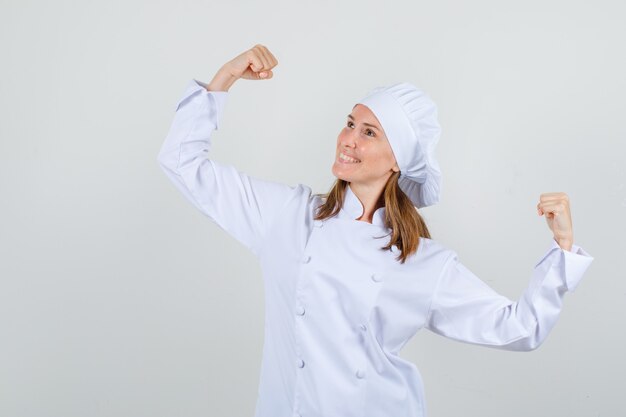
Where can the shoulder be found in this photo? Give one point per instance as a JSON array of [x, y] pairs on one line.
[[300, 197], [433, 251]]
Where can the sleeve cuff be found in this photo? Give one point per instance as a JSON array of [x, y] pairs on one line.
[[194, 87], [574, 262]]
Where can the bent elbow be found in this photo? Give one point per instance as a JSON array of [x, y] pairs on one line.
[[534, 345], [532, 341], [530, 338], [167, 162]]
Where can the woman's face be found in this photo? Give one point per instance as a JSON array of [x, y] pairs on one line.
[[363, 139]]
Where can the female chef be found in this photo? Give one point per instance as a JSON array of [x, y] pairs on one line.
[[350, 276]]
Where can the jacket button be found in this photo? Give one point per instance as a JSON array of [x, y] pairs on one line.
[[306, 259], [300, 363], [376, 277], [300, 310], [360, 373], [363, 327]]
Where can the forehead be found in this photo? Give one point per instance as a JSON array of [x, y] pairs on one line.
[[362, 113]]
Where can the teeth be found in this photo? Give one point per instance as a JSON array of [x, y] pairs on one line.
[[347, 158]]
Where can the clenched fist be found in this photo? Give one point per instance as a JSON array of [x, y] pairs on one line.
[[556, 208], [254, 64]]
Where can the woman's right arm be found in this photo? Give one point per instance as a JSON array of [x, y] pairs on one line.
[[241, 205]]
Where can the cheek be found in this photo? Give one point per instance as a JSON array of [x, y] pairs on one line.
[[380, 158]]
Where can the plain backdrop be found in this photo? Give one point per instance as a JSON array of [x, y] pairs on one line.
[[119, 298]]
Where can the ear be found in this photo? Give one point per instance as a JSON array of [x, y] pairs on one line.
[[395, 167]]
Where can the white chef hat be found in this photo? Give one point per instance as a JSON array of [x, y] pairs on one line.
[[409, 118]]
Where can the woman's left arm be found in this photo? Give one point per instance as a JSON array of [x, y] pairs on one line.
[[466, 309]]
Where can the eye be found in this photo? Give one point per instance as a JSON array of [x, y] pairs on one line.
[[367, 131]]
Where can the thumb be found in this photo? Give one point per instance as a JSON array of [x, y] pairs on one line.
[[265, 75]]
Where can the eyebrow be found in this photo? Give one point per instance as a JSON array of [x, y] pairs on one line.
[[366, 124]]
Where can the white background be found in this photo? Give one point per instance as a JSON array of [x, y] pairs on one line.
[[118, 298]]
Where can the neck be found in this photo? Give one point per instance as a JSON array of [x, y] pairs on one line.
[[370, 197]]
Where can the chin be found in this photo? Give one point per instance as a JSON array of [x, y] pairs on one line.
[[338, 176]]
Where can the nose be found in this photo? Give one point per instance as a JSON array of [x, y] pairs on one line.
[[348, 140]]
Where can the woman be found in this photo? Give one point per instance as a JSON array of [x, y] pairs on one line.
[[352, 275]]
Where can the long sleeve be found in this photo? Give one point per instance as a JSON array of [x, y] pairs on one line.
[[240, 204], [466, 309]]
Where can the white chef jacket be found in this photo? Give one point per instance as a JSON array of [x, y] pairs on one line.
[[338, 309]]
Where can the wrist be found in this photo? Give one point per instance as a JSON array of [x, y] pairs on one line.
[[565, 244], [222, 81]]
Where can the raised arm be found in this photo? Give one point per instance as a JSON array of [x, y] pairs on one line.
[[466, 309], [242, 205]]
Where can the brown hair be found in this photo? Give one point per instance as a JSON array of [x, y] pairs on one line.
[[401, 216]]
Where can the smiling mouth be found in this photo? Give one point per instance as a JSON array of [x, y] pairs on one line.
[[347, 159]]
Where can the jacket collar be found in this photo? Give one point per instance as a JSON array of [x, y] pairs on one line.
[[353, 209]]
